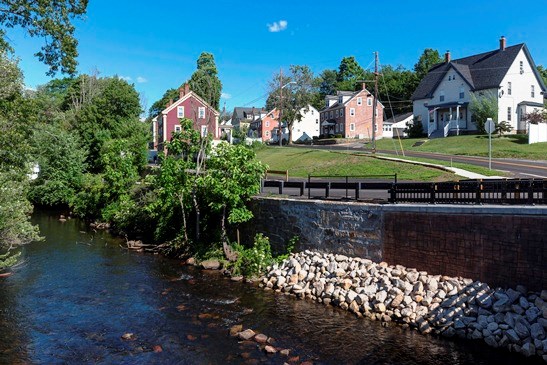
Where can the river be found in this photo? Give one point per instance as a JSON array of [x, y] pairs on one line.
[[78, 292]]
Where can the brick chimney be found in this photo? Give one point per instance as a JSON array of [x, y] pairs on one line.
[[363, 86], [502, 43], [184, 89], [447, 57]]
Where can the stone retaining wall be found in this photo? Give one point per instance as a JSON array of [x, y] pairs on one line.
[[502, 246]]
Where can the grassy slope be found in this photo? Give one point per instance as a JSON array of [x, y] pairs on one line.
[[510, 146], [302, 161]]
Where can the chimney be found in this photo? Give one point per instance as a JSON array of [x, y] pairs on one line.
[[170, 102], [186, 88], [502, 43], [363, 86], [181, 92], [447, 57]]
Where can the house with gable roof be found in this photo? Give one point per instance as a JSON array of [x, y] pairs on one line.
[[441, 100], [191, 106], [349, 113]]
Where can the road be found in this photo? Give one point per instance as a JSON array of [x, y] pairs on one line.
[[517, 168]]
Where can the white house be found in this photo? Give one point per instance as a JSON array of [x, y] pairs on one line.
[[302, 130], [394, 127], [441, 100]]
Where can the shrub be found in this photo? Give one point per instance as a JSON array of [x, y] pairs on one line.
[[414, 129]]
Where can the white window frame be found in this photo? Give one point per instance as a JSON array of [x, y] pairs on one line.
[[180, 111], [376, 127], [201, 112], [376, 112], [336, 113], [509, 88], [532, 91], [267, 133], [342, 112], [359, 101], [177, 128], [352, 112], [267, 123], [352, 127], [203, 130]]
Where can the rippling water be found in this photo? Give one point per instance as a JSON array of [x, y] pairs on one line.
[[78, 292]]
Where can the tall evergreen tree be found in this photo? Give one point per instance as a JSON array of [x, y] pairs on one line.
[[205, 81]]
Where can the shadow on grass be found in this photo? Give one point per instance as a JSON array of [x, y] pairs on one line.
[[514, 138]]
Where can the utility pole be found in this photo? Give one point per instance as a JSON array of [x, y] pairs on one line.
[[375, 103], [279, 133]]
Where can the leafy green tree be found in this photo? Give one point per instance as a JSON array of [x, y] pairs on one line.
[[295, 97], [232, 177], [395, 86], [483, 107], [324, 84], [158, 106], [62, 164], [428, 58], [543, 72], [349, 74], [205, 82], [51, 20]]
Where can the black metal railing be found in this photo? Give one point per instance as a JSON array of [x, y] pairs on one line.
[[499, 191]]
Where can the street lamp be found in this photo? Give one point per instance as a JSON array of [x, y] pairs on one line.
[[279, 133]]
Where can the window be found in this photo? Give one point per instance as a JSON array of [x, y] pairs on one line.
[[352, 127], [180, 112], [340, 99], [532, 91], [203, 130], [341, 112], [201, 112], [177, 128], [376, 128], [336, 113], [509, 89], [462, 93], [521, 67], [267, 133], [312, 112], [509, 113], [341, 127], [267, 123], [352, 111], [336, 128], [441, 96], [359, 101], [369, 101], [376, 112]]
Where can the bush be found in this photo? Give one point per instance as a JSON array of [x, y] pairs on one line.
[[414, 129], [337, 136]]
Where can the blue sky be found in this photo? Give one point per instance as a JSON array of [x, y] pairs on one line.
[[155, 44]]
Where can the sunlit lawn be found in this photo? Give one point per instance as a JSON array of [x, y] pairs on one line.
[[302, 161]]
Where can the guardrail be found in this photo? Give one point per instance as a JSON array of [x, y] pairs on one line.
[[510, 191], [506, 191]]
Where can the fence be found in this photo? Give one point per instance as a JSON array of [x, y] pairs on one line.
[[508, 191]]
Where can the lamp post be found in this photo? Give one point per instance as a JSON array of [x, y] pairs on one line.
[[281, 87]]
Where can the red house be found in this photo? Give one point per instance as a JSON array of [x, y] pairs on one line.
[[190, 106], [349, 113]]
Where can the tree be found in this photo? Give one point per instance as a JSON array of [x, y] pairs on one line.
[[537, 116], [483, 107], [51, 20], [543, 72], [428, 58], [396, 85], [205, 82], [232, 177], [296, 95], [158, 106], [349, 74], [324, 84]]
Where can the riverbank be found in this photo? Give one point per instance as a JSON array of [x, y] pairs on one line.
[[514, 319]]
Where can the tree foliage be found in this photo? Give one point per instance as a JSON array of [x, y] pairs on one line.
[[205, 82], [296, 95], [483, 107], [350, 74], [51, 20], [159, 105], [428, 58]]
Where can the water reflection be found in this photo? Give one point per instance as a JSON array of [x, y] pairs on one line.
[[79, 292]]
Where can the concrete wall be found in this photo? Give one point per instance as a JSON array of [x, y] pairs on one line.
[[503, 246]]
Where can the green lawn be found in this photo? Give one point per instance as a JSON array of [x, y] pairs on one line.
[[510, 146], [303, 161]]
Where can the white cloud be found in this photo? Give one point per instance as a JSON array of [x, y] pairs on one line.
[[278, 26], [141, 80], [226, 96], [126, 78]]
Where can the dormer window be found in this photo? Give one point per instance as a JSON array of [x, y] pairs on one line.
[[340, 99]]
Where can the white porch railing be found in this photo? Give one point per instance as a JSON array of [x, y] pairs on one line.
[[453, 124]]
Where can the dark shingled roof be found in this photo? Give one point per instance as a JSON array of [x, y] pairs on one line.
[[242, 112], [481, 71]]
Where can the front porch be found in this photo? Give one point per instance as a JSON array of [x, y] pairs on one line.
[[446, 118]]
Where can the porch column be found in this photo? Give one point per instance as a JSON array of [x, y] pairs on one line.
[[428, 122], [458, 120]]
